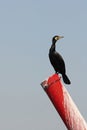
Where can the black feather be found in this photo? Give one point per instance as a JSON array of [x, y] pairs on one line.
[[57, 61]]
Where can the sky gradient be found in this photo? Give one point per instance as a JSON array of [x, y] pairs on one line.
[[26, 30]]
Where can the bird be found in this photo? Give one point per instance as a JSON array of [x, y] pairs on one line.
[[57, 60]]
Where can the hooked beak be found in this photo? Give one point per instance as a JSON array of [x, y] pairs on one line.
[[61, 37], [58, 37]]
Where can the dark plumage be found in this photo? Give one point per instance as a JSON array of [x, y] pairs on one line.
[[57, 60]]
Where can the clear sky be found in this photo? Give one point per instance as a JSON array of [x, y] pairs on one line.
[[26, 30]]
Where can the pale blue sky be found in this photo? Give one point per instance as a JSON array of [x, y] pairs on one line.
[[26, 30]]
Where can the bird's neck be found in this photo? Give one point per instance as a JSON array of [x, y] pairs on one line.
[[53, 46]]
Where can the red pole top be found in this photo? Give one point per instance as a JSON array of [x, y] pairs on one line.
[[63, 103]]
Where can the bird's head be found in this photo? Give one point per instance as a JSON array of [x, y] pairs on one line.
[[55, 38]]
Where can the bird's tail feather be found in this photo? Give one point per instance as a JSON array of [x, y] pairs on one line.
[[66, 79]]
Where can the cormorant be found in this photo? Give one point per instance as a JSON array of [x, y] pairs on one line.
[[57, 60]]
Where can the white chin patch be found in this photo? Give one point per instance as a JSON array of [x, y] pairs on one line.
[[56, 38]]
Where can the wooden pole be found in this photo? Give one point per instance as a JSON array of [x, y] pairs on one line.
[[63, 103]]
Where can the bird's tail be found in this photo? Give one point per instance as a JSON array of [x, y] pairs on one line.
[[66, 79]]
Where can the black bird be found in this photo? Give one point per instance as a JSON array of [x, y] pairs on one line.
[[57, 60]]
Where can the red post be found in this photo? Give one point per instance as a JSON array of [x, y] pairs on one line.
[[63, 103]]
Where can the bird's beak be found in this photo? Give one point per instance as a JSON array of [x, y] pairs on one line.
[[61, 37]]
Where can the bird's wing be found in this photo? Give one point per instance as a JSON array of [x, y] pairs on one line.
[[59, 61]]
